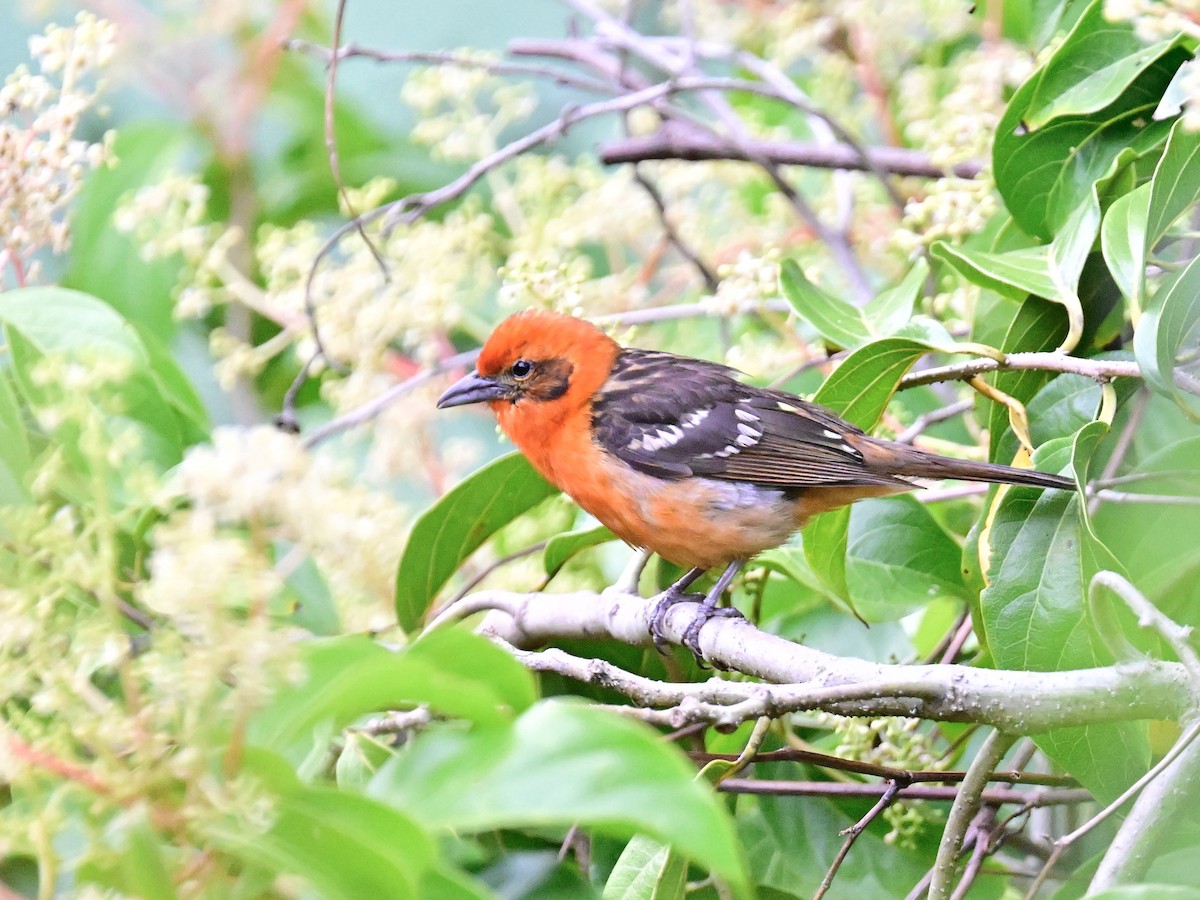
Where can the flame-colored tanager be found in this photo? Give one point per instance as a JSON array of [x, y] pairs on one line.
[[676, 455]]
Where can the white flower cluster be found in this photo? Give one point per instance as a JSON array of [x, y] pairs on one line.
[[955, 122], [898, 743], [745, 284], [263, 480], [951, 209], [462, 110], [42, 162]]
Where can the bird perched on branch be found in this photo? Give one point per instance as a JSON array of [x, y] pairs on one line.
[[676, 455]]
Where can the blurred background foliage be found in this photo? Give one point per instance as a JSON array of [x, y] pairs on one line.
[[214, 677]]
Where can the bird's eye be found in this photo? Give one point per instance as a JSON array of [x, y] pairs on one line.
[[521, 369]]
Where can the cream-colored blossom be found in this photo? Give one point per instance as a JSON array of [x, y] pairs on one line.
[[263, 479], [42, 163], [462, 110]]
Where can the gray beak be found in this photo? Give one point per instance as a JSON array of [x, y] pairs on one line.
[[474, 388]]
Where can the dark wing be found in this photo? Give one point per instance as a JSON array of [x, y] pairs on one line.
[[673, 416]]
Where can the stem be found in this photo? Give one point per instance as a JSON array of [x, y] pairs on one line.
[[966, 805]]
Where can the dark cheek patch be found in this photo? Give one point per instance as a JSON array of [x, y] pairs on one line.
[[551, 381]]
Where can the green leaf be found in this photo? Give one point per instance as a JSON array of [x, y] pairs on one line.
[[43, 321], [898, 559], [1043, 174], [453, 884], [860, 388], [457, 524], [1136, 221], [858, 391], [647, 870], [562, 764], [1039, 325], [1014, 275], [142, 864], [1156, 543], [1124, 241], [775, 827], [838, 322], [1062, 407], [892, 308], [1034, 616], [344, 844], [15, 458], [1167, 325], [1100, 61], [1176, 182], [107, 263], [458, 674], [1148, 892], [463, 653], [562, 547], [1065, 259]]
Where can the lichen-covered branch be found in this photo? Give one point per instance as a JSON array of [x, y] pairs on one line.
[[801, 678]]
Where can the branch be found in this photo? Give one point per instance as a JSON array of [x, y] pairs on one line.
[[1101, 369], [1169, 794], [450, 58], [994, 796], [966, 805], [806, 679], [685, 144]]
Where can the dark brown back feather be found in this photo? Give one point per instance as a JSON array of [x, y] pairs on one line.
[[674, 416]]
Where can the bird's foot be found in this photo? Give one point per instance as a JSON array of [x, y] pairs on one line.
[[658, 616], [707, 611]]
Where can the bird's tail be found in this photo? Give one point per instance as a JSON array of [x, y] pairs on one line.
[[909, 462]]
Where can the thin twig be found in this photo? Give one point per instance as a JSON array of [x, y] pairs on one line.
[[852, 833], [923, 421], [890, 773], [937, 654], [372, 408], [1128, 794], [982, 826], [707, 275], [1137, 411], [492, 567], [1105, 496], [961, 636], [998, 796], [451, 58], [1149, 616]]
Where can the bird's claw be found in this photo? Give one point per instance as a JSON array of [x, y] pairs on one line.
[[658, 616], [691, 636]]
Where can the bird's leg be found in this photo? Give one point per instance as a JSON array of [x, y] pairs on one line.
[[672, 595], [709, 610]]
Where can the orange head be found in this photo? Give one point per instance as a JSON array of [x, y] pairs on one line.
[[537, 368]]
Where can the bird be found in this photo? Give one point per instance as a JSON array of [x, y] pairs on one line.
[[679, 456]]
